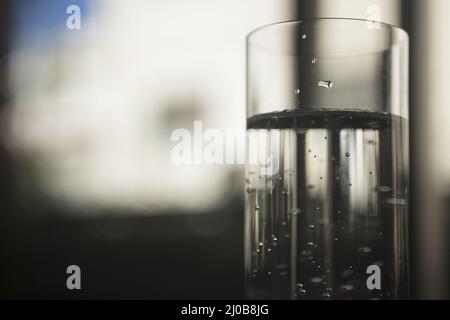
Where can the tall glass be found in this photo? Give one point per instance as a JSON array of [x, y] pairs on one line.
[[327, 177]]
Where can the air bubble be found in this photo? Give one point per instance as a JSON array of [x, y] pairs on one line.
[[281, 266], [347, 154], [383, 189], [311, 226], [347, 287], [325, 83], [396, 201], [297, 91], [315, 280], [364, 250], [304, 36]]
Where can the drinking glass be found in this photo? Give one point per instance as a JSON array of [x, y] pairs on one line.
[[328, 162]]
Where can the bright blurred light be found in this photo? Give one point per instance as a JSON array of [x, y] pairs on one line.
[[93, 109]]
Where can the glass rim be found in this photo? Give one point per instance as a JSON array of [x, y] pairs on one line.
[[269, 26]]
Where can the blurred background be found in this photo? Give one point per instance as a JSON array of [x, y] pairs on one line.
[[86, 117]]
